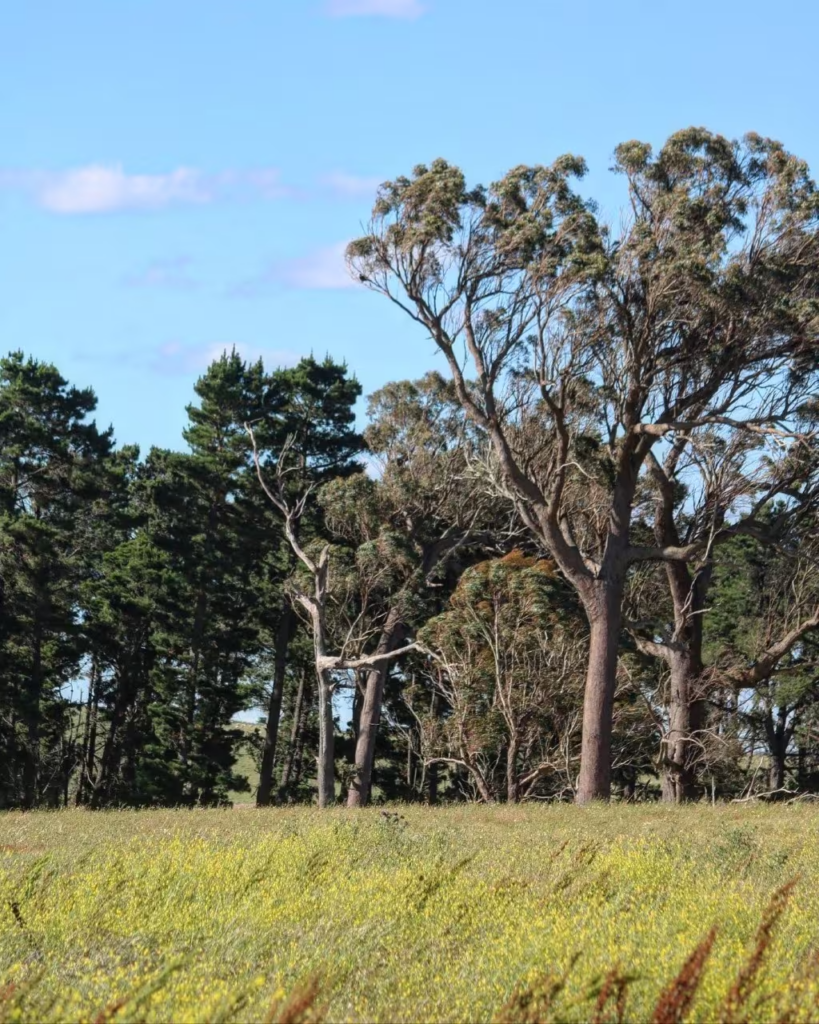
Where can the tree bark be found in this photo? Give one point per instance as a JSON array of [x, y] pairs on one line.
[[604, 610], [777, 773], [685, 711], [274, 710], [361, 785]]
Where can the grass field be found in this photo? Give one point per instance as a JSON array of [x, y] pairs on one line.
[[440, 915]]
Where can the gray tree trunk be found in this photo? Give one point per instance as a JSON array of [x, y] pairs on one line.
[[326, 751], [361, 785]]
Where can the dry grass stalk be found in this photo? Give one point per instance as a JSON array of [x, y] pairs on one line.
[[615, 986], [532, 1004], [301, 1006], [7, 994], [108, 1014], [676, 998]]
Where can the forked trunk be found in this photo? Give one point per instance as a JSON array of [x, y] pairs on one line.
[[603, 607], [361, 785]]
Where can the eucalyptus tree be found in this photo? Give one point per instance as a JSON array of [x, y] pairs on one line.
[[592, 351], [508, 663]]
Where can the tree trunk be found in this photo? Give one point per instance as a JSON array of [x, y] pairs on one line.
[[274, 710], [361, 785], [486, 794], [801, 768], [605, 616], [112, 748], [326, 751], [89, 740], [679, 777], [296, 730], [410, 761], [359, 689], [777, 773], [777, 735], [512, 789]]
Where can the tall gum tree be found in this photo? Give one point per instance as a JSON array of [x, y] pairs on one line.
[[589, 349]]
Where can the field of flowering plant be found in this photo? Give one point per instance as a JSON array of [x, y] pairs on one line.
[[519, 914]]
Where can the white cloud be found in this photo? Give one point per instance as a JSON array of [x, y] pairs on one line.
[[378, 8], [323, 269], [99, 189], [105, 188], [174, 274], [351, 186]]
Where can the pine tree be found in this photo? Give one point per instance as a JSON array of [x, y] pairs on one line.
[[52, 463]]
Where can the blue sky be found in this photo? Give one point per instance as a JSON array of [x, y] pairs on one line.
[[178, 176]]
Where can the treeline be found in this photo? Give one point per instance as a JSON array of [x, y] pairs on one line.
[[585, 563]]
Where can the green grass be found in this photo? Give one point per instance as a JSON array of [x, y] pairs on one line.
[[441, 916]]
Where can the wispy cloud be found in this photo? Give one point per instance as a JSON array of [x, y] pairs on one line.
[[378, 8], [323, 269], [174, 274], [350, 186], [106, 188], [175, 359]]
